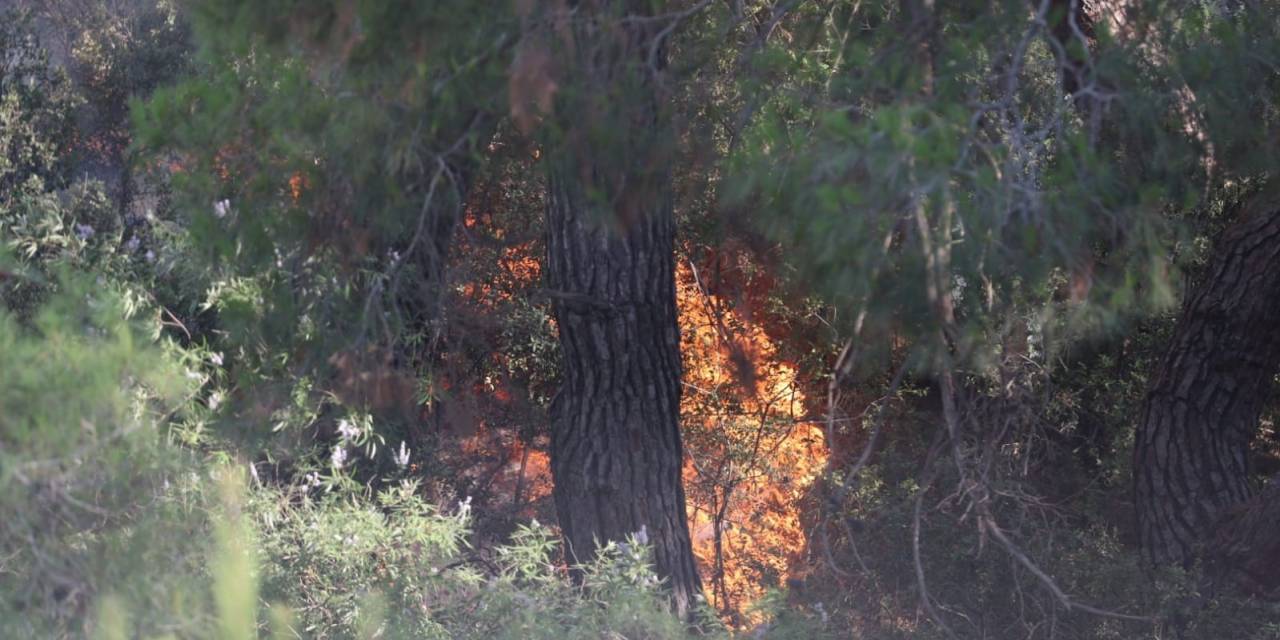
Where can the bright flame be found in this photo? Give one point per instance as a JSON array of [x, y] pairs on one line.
[[752, 455]]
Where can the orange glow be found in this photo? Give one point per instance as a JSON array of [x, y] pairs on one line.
[[297, 184], [485, 410], [751, 456], [517, 262], [517, 270]]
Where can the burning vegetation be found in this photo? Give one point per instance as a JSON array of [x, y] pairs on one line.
[[752, 448]]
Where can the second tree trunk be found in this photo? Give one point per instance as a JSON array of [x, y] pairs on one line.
[[1206, 396]]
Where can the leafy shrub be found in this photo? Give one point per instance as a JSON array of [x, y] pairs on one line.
[[90, 489], [114, 528]]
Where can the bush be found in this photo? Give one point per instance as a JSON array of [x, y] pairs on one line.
[[90, 489], [115, 528]]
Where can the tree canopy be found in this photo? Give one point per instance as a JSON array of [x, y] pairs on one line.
[[639, 318]]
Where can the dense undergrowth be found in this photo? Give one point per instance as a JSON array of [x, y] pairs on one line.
[[115, 529], [203, 433]]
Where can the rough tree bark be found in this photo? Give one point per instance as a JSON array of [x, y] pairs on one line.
[[1245, 550], [1191, 473], [1192, 489], [616, 453]]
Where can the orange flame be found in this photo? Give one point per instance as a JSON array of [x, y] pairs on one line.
[[752, 456]]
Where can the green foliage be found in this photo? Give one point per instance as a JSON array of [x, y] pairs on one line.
[[51, 214], [349, 566], [936, 164], [36, 108], [94, 497], [309, 141], [36, 103], [919, 162], [115, 530], [329, 556], [319, 156], [117, 56]]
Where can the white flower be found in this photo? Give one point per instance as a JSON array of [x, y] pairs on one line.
[[220, 208], [313, 480], [401, 457], [347, 430], [642, 536], [215, 400], [150, 256], [133, 244], [216, 358], [339, 456], [817, 606], [84, 231]]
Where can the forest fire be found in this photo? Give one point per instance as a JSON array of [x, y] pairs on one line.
[[483, 405], [751, 455], [790, 320]]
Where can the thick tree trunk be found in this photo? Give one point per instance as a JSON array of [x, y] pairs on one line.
[[1191, 475], [1245, 549], [616, 455], [1202, 408]]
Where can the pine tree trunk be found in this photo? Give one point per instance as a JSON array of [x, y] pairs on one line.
[[1203, 405], [1245, 549], [616, 454]]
